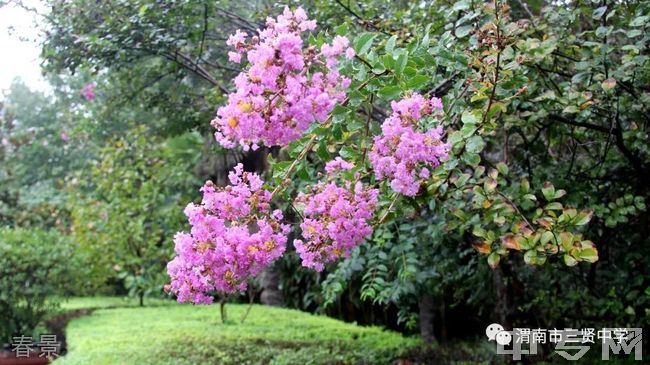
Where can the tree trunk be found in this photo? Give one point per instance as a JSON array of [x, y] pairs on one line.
[[426, 318], [222, 309], [271, 293], [141, 295], [504, 308]]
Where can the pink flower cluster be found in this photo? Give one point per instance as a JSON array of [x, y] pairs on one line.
[[234, 236], [336, 218], [286, 87], [406, 151], [88, 92]]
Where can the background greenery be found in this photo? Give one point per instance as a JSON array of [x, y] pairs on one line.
[[32, 274]]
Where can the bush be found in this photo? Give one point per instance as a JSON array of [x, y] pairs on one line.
[[35, 266]]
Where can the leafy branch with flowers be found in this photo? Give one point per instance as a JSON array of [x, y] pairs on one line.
[[315, 99]]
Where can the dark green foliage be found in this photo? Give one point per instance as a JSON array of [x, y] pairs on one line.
[[564, 125], [35, 265], [132, 206]]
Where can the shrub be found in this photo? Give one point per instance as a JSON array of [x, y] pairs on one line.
[[35, 267]]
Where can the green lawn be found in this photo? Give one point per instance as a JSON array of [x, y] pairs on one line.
[[186, 334]]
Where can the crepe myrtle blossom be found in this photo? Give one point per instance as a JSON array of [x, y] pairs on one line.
[[338, 164], [234, 236], [88, 92], [336, 217], [406, 151], [285, 87]]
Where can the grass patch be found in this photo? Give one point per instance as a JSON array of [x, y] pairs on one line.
[[186, 334]]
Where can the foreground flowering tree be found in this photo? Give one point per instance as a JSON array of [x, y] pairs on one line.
[[371, 138]]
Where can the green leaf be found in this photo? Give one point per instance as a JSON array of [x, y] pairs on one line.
[[363, 42], [462, 179], [598, 13], [348, 153], [340, 110], [417, 81], [322, 152], [469, 118], [388, 61], [281, 168], [461, 5], [566, 240], [455, 137], [530, 197], [489, 185], [143, 10], [569, 261], [589, 254], [496, 108], [463, 31], [525, 186], [548, 190], [503, 168], [389, 92], [478, 97], [571, 109], [295, 147], [468, 130], [603, 31], [547, 236], [608, 84], [471, 159], [475, 144], [640, 21], [339, 113], [302, 173], [478, 232], [634, 33], [401, 63], [493, 260], [530, 257], [355, 124], [341, 29], [553, 206], [390, 44]]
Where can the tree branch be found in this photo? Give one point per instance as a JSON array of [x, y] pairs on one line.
[[366, 24], [595, 127]]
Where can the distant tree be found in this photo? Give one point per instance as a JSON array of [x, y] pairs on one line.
[[127, 209]]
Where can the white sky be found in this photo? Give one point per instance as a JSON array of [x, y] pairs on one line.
[[19, 42]]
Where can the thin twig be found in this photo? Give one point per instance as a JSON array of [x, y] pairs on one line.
[[205, 30], [367, 131], [390, 208], [512, 204], [251, 298], [360, 19]]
